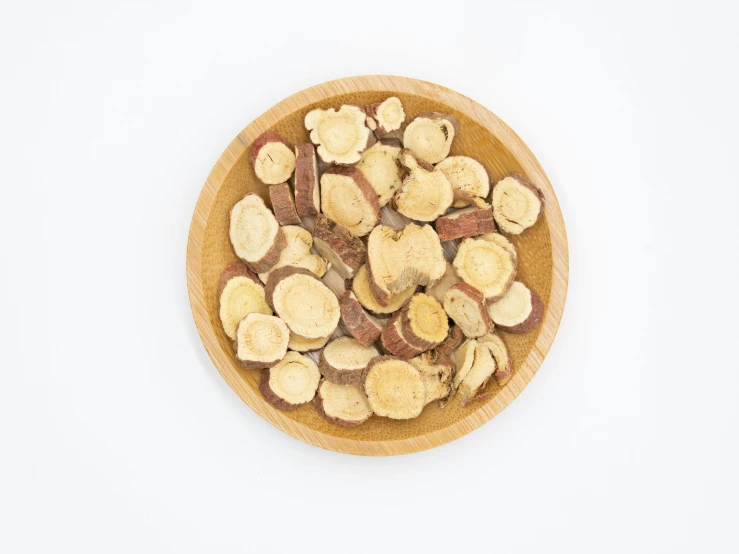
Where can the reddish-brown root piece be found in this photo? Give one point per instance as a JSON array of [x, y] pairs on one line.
[[394, 388], [255, 234], [344, 360], [344, 405], [504, 366], [394, 341], [348, 198], [283, 204], [261, 341], [341, 136], [424, 322], [291, 382], [303, 301], [517, 204], [466, 306], [467, 222], [335, 243], [307, 194], [361, 325], [519, 311], [239, 294], [385, 117], [451, 342], [272, 158], [430, 136]]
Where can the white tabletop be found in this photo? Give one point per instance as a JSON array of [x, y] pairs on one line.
[[118, 434]]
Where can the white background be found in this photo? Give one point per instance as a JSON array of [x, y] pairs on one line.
[[118, 434]]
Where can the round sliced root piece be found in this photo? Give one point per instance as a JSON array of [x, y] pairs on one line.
[[344, 405], [361, 325], [272, 158], [394, 342], [519, 311], [398, 260], [363, 292], [466, 306], [299, 343], [425, 195], [349, 199], [379, 164], [340, 136], [517, 204], [447, 281], [303, 301], [291, 382], [450, 343], [239, 294], [387, 115], [255, 234], [297, 253], [430, 136], [283, 204], [424, 321], [261, 341], [394, 388], [307, 194], [436, 373], [344, 360], [485, 265], [504, 367], [345, 252], [473, 383], [467, 222], [465, 174], [500, 240]]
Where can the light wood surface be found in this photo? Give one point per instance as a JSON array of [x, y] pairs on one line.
[[543, 261]]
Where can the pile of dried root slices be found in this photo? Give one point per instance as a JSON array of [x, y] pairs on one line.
[[380, 277]]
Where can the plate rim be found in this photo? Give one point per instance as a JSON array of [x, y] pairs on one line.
[[348, 85]]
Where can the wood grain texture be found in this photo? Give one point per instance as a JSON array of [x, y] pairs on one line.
[[543, 261]]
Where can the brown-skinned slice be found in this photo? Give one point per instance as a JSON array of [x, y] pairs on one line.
[[517, 204], [345, 252], [466, 306], [239, 294], [283, 204], [272, 158], [361, 325], [344, 360], [519, 311], [349, 199], [424, 322], [261, 341], [394, 388], [255, 234], [291, 382], [303, 301], [344, 405]]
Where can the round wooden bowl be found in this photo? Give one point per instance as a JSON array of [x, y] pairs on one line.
[[542, 265]]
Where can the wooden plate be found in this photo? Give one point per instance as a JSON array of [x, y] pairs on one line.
[[543, 261]]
